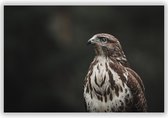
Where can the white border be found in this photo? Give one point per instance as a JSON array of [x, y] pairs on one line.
[[77, 2], [1, 56], [84, 2]]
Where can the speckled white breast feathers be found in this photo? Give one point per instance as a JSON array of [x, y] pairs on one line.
[[100, 81]]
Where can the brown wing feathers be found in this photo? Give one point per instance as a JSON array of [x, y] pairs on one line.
[[137, 89]]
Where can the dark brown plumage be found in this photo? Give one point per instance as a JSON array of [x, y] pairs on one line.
[[111, 85]]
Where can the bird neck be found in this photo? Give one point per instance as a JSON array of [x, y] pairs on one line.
[[114, 55]]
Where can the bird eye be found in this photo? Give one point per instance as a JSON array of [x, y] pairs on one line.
[[104, 39]]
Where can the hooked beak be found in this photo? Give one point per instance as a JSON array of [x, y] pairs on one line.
[[91, 41]]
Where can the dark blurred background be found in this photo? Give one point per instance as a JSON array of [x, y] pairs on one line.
[[46, 57]]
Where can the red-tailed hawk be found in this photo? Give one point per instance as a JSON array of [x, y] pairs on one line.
[[111, 85]]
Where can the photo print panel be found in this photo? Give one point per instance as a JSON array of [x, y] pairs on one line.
[[84, 58]]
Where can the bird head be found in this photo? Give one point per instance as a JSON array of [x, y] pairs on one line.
[[106, 44], [109, 46]]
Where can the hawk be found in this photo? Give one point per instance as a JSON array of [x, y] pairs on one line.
[[110, 84]]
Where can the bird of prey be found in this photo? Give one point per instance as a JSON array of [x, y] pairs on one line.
[[110, 84]]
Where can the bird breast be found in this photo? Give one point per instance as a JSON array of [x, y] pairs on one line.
[[107, 92]]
